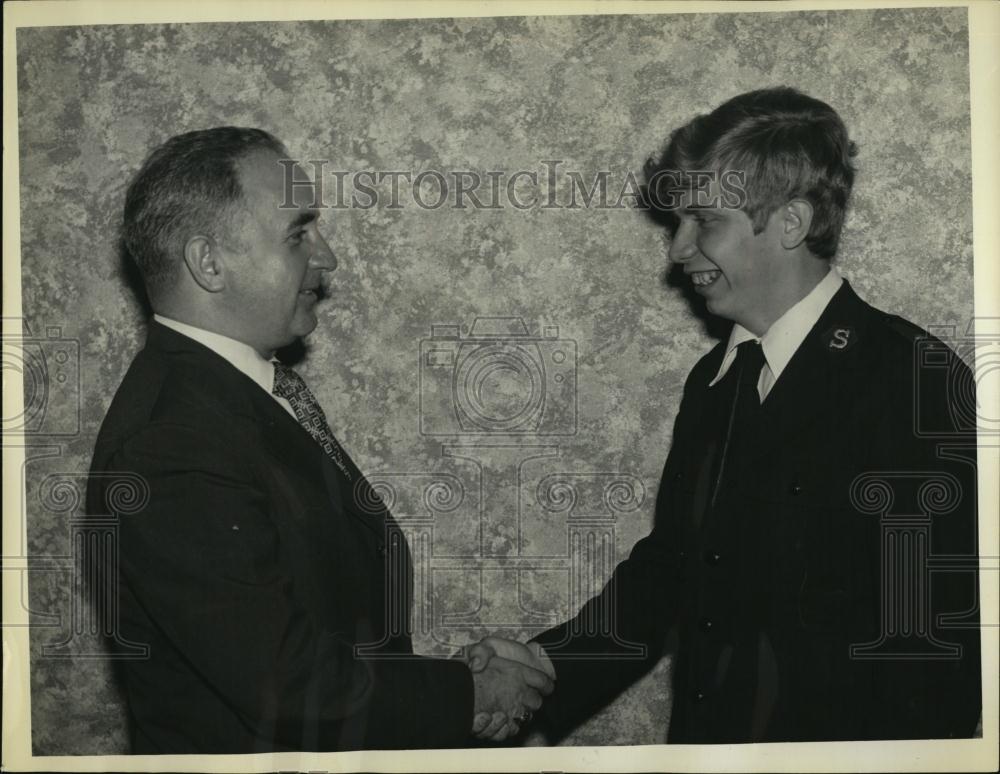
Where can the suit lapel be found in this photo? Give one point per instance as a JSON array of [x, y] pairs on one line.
[[830, 354], [291, 442], [280, 433]]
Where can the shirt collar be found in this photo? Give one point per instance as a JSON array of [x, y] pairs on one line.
[[241, 356], [781, 341]]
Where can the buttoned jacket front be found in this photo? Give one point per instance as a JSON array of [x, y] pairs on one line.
[[764, 580]]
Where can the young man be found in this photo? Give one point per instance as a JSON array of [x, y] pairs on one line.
[[797, 489], [269, 583]]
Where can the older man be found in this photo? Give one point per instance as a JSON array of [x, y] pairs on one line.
[[271, 586]]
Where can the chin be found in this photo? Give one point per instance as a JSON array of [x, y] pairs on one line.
[[302, 325], [720, 311], [715, 307]]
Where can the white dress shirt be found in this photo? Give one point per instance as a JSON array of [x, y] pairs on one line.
[[785, 335], [241, 356]]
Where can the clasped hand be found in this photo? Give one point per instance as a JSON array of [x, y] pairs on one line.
[[510, 679]]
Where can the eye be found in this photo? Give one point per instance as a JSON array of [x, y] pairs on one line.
[[297, 237]]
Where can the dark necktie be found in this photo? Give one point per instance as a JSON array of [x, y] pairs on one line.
[[292, 387], [743, 411], [749, 361]]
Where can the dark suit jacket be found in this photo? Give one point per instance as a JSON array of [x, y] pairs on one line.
[[253, 573], [765, 593]]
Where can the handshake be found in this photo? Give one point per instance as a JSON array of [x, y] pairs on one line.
[[510, 679]]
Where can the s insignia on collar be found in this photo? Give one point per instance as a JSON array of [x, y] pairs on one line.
[[839, 338]]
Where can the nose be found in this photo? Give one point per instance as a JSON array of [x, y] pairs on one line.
[[682, 244], [323, 257]]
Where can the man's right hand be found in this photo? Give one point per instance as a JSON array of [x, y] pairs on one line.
[[478, 655], [507, 692]]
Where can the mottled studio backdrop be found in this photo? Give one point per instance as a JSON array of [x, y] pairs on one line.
[[509, 530]]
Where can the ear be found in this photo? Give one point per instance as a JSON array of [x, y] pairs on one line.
[[204, 263], [796, 219]]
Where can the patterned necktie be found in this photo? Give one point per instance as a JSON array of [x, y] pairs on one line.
[[290, 386]]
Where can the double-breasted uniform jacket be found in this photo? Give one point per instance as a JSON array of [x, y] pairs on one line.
[[859, 471], [254, 573]]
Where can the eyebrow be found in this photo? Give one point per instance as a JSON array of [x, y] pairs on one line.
[[302, 219]]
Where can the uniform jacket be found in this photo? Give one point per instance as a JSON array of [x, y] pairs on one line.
[[255, 573], [859, 455]]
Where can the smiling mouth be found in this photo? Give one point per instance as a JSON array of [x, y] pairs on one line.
[[316, 292], [702, 279]]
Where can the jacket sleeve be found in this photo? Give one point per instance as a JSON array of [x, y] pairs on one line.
[[620, 634], [926, 443], [201, 560]]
